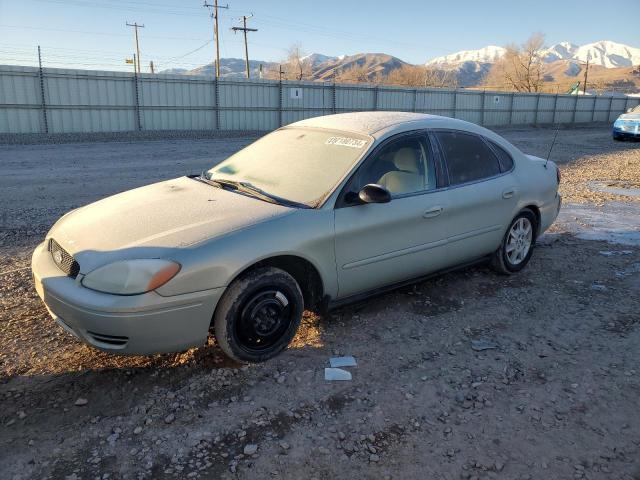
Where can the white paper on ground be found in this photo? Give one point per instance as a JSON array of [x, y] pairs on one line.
[[332, 374], [342, 362]]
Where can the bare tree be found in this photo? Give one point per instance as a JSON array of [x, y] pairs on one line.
[[294, 66], [521, 68], [354, 74], [422, 76]]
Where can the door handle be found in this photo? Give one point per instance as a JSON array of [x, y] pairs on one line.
[[432, 212], [508, 193]]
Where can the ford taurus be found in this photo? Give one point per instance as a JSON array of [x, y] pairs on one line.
[[319, 213]]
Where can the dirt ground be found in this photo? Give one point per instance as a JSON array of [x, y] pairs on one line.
[[555, 395]]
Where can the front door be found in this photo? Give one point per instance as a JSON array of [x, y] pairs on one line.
[[380, 244]]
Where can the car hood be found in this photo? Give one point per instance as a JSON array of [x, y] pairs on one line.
[[630, 116], [145, 221]]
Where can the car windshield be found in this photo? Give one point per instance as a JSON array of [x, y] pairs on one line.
[[301, 165]]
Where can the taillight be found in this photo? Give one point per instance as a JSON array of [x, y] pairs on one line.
[[558, 175]]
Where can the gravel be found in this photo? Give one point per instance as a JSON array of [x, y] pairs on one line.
[[556, 398]]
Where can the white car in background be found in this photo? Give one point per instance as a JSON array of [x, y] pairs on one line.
[[314, 215]]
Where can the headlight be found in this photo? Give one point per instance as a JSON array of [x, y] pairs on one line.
[[131, 277]]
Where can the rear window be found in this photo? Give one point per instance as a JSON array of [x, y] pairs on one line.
[[505, 160], [468, 157]]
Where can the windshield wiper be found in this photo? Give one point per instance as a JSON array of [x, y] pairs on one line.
[[269, 197], [250, 189]]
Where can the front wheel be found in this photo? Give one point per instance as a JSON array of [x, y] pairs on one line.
[[258, 315], [517, 245]]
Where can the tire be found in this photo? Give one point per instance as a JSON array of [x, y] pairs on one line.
[[617, 138], [506, 260], [258, 315]]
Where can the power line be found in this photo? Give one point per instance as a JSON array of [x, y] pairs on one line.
[[244, 30], [66, 30], [270, 20], [146, 10], [172, 60]]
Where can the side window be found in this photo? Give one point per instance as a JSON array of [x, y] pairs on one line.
[[468, 157], [506, 162], [403, 166]]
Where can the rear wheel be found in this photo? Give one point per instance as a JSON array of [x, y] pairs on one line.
[[258, 315], [517, 245]]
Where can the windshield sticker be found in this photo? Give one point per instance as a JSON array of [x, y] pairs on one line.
[[346, 142]]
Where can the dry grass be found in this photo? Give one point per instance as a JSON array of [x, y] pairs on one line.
[[619, 168]]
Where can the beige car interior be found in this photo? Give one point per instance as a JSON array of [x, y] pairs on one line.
[[408, 177]]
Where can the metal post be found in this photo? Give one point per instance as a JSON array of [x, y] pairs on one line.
[[136, 96], [216, 99], [513, 95], [415, 99], [484, 107], [280, 102], [575, 107], [610, 106], [455, 102], [375, 97], [334, 108], [535, 120], [555, 108], [44, 102], [593, 109]]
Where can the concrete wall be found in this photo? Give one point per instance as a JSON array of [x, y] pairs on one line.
[[68, 101]]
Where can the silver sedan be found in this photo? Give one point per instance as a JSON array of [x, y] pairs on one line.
[[314, 215]]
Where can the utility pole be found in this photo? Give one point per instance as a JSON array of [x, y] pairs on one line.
[[244, 29], [216, 36], [136, 27], [586, 72]]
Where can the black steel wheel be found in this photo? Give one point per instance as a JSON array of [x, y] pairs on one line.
[[258, 315]]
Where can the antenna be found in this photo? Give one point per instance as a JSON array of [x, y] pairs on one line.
[[552, 144]]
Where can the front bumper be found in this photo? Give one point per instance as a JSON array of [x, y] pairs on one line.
[[132, 325], [627, 132]]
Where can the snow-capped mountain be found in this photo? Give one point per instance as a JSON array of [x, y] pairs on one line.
[[604, 53], [608, 54], [487, 54], [317, 58], [559, 51]]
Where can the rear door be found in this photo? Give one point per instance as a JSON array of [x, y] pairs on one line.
[[381, 244], [482, 193]]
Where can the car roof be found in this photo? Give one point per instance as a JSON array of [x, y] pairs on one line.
[[371, 123]]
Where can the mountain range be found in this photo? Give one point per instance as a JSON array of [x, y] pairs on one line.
[[603, 53], [469, 66]]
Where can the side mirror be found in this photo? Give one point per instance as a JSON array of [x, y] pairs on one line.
[[373, 193]]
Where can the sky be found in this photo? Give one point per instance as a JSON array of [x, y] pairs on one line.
[[93, 34]]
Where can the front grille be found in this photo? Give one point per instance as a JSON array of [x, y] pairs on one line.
[[63, 260]]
